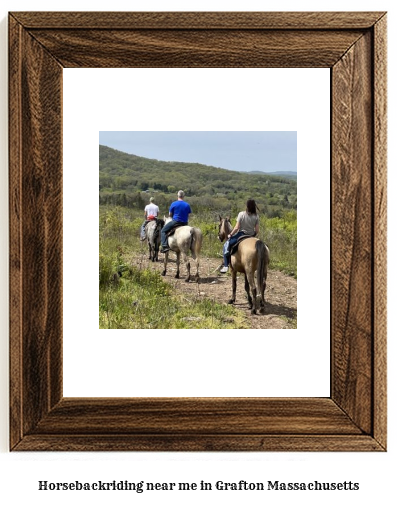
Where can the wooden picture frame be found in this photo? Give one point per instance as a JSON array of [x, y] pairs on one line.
[[353, 46]]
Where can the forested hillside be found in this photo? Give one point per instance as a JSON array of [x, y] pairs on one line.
[[285, 174], [128, 180]]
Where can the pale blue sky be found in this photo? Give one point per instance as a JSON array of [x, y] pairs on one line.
[[237, 151]]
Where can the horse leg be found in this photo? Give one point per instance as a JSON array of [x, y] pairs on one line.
[[234, 286], [158, 248], [195, 249], [263, 288], [155, 252], [150, 251], [197, 269], [247, 290], [165, 264], [251, 281], [262, 302], [187, 263], [178, 258]]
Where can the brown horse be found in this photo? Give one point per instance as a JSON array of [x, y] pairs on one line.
[[252, 255]]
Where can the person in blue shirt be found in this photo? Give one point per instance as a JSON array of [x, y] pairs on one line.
[[179, 212]]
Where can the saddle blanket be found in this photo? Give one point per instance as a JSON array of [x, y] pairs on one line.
[[171, 231], [240, 239]]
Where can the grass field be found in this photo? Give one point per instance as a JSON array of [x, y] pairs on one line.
[[140, 299]]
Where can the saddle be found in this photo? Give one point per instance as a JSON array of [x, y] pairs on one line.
[[172, 231], [240, 239]]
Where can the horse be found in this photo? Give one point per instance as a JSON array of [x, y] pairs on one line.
[[185, 239], [252, 255], [153, 229]]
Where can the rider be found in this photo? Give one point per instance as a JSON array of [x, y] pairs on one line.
[[179, 212], [247, 224], [151, 213]]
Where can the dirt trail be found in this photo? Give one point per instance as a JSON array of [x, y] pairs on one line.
[[280, 296]]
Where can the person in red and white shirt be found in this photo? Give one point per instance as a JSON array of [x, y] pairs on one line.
[[151, 213]]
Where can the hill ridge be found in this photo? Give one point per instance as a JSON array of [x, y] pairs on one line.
[[125, 179]]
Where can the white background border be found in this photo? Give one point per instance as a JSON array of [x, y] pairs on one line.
[[19, 473], [180, 362]]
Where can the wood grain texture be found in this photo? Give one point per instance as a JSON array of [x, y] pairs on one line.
[[41, 90], [352, 233], [36, 230], [353, 45], [199, 443], [162, 416], [202, 20], [15, 227], [196, 48], [380, 230]]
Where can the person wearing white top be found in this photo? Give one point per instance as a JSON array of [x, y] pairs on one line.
[[151, 213]]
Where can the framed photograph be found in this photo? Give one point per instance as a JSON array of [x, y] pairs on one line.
[[353, 47], [220, 175]]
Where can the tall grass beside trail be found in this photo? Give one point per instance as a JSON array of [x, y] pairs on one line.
[[280, 234], [140, 299]]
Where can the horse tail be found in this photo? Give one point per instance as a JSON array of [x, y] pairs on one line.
[[196, 239], [263, 260]]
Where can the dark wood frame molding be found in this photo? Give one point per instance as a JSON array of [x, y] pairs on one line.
[[353, 46]]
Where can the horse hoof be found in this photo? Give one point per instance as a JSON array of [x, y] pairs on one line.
[[163, 273], [253, 311], [187, 279], [230, 302], [177, 275]]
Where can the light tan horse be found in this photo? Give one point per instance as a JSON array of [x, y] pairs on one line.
[[184, 240], [252, 255]]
